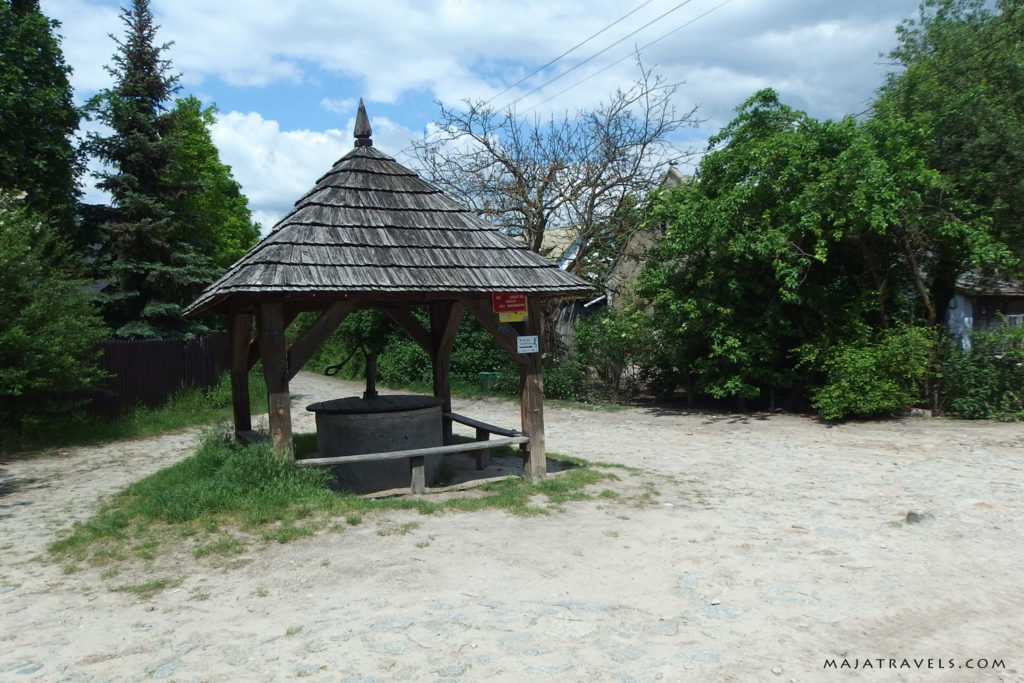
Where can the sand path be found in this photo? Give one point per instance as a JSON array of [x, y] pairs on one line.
[[750, 548]]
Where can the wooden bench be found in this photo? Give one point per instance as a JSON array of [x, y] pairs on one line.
[[415, 455], [483, 434]]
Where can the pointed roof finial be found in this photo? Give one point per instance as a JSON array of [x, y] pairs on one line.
[[363, 131]]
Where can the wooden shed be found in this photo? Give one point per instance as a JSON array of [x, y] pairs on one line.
[[372, 234]]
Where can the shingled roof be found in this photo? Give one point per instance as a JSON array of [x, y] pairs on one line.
[[372, 227]]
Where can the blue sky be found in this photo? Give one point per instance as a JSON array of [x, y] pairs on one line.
[[286, 75]]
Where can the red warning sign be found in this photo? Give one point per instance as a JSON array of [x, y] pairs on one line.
[[508, 302]]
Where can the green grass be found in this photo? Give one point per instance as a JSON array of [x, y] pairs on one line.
[[186, 408], [227, 497], [149, 588]]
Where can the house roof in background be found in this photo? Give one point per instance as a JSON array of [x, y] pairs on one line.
[[977, 284]]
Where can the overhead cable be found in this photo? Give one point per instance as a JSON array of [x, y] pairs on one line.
[[598, 54], [620, 60], [568, 52]]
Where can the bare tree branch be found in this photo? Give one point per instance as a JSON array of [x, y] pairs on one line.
[[574, 174]]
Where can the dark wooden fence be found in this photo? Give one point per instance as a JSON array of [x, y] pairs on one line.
[[148, 372]]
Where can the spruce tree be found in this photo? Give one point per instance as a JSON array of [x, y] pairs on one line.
[[37, 116], [152, 268]]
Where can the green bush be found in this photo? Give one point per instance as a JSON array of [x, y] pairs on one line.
[[618, 348], [880, 376], [986, 382], [403, 363], [50, 327]]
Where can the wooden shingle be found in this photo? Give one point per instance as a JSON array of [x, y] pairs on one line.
[[370, 225]]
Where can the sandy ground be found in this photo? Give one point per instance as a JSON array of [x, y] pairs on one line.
[[747, 548]]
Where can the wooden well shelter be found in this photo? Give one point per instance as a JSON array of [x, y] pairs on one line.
[[372, 234]]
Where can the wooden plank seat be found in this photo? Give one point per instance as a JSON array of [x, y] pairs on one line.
[[415, 456], [483, 433]]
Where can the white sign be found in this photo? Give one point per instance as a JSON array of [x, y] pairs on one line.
[[528, 344]]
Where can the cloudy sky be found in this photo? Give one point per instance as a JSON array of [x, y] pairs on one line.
[[286, 75]]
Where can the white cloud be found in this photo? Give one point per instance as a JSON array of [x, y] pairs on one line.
[[276, 167], [458, 49], [823, 57]]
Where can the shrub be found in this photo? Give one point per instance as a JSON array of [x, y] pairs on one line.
[[879, 376], [987, 381], [618, 348], [50, 328]]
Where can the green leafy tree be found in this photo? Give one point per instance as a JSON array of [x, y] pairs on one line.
[[50, 328], [567, 179], [152, 266], [796, 239], [37, 116], [216, 217], [962, 86]]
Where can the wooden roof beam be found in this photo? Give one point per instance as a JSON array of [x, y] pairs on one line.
[[313, 338]]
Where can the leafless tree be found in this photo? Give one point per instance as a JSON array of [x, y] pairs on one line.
[[573, 174]]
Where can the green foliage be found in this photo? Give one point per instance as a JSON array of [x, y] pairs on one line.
[[153, 267], [619, 347], [962, 85], [563, 376], [50, 327], [215, 218], [872, 376], [812, 235], [987, 381], [37, 116], [401, 361]]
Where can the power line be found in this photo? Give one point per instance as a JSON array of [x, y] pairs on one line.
[[622, 59], [598, 54], [567, 52]]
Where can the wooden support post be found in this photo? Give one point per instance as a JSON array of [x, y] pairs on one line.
[[274, 353], [532, 399], [239, 337], [531, 381], [444, 322], [483, 458], [255, 354], [418, 474]]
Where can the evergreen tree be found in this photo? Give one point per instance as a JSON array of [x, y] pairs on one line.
[[152, 267], [50, 327], [37, 116]]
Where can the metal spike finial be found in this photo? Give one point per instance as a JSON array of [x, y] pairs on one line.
[[363, 131]]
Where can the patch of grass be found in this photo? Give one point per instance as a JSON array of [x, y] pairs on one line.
[[225, 546], [648, 497], [188, 407], [148, 589], [390, 529], [287, 530], [227, 495]]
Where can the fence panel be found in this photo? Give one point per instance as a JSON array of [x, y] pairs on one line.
[[147, 372]]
